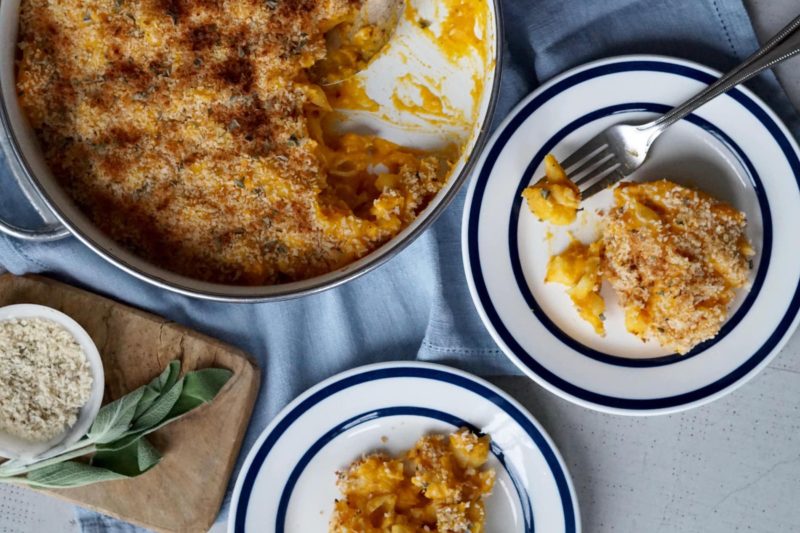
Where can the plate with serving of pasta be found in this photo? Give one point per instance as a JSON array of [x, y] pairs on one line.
[[403, 448], [662, 293]]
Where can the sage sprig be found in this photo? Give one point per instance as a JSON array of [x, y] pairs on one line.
[[115, 444]]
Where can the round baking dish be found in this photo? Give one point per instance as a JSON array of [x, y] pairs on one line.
[[65, 219]]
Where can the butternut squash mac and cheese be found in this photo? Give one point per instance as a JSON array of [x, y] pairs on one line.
[[674, 255], [189, 132], [437, 486]]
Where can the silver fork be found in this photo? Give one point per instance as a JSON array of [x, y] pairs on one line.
[[619, 150]]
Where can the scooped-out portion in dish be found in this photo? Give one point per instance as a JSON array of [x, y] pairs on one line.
[[675, 257], [437, 486], [190, 133]]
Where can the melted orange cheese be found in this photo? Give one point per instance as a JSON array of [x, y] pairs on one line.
[[350, 94], [428, 102], [461, 31], [554, 198], [578, 267]]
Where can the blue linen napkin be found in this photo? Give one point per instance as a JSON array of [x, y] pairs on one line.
[[417, 305]]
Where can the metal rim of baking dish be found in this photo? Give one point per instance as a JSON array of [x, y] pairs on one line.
[[239, 293]]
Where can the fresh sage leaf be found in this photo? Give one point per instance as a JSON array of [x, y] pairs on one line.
[[157, 386], [148, 397], [132, 460], [122, 442], [114, 419], [200, 387], [70, 474], [169, 376], [160, 408]]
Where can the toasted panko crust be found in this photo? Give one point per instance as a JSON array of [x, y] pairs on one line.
[[182, 129]]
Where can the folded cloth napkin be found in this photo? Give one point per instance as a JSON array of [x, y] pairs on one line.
[[417, 305]]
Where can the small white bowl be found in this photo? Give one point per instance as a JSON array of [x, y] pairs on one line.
[[15, 448]]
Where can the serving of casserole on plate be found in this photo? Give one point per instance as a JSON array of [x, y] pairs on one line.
[[193, 134], [674, 256], [679, 286], [358, 452]]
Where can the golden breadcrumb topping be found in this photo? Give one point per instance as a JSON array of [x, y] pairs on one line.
[[187, 130], [437, 486], [675, 257]]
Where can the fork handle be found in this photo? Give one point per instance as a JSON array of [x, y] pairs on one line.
[[785, 44]]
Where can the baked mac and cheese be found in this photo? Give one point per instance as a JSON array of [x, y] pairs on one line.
[[674, 255], [189, 132], [437, 486]]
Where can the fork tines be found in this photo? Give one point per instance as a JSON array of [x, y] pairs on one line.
[[593, 167]]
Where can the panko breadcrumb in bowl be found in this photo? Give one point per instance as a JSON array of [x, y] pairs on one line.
[[194, 148], [51, 380]]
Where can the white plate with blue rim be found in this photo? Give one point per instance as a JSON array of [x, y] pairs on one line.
[[288, 481], [734, 148]]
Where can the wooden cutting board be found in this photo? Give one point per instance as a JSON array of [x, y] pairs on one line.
[[185, 490]]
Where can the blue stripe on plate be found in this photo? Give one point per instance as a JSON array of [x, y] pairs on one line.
[[347, 425], [558, 473], [766, 249], [477, 275]]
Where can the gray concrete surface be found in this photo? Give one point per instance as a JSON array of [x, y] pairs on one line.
[[730, 466]]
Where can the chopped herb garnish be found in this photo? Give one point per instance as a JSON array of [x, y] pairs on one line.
[[545, 193], [239, 183], [293, 140], [233, 124], [275, 246], [297, 46], [602, 317], [750, 264], [272, 4], [424, 23]]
